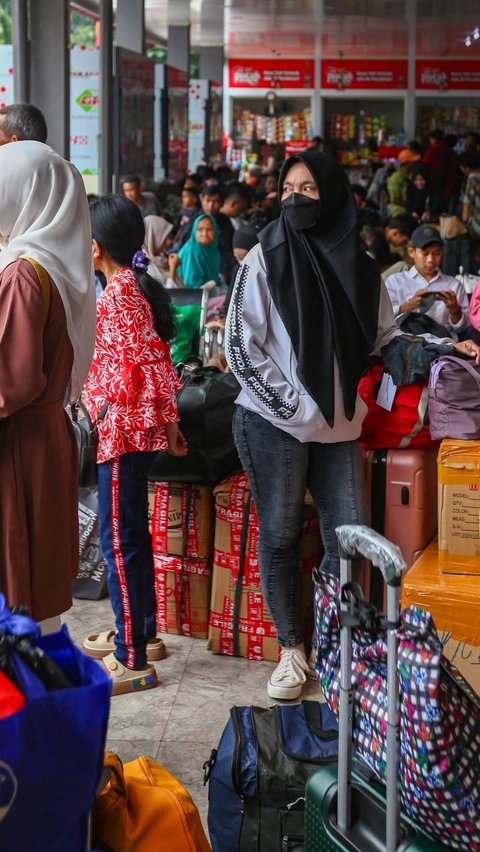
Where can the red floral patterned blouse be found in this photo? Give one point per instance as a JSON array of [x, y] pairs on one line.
[[131, 368]]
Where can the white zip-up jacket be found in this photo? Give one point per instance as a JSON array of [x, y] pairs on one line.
[[260, 354]]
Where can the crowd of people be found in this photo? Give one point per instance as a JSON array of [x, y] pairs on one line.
[[297, 257]]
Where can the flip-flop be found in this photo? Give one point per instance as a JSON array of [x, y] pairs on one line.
[[128, 680], [98, 645]]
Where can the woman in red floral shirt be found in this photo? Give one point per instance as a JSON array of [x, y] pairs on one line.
[[132, 371]]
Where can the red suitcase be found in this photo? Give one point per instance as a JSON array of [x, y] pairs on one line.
[[401, 490]]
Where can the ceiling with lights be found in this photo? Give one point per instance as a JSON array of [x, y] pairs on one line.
[[326, 28]]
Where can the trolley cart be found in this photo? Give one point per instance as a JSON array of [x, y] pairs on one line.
[[353, 813]]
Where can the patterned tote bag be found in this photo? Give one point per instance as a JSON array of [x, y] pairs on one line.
[[439, 713]]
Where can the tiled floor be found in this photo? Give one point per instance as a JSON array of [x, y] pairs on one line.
[[180, 722]]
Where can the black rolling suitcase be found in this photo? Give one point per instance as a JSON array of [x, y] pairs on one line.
[[351, 812]]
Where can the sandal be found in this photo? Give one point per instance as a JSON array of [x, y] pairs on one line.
[[128, 680], [98, 645]]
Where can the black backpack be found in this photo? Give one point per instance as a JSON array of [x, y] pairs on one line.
[[206, 403], [257, 776]]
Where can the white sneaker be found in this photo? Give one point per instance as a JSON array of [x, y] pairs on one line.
[[287, 680]]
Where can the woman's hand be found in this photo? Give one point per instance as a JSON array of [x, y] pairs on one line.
[[173, 263], [176, 443], [468, 347]]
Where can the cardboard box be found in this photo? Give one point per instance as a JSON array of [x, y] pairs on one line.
[[239, 610], [190, 583], [454, 602], [168, 519], [459, 506], [466, 658]]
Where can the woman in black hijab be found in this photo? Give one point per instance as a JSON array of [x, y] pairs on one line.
[[418, 193], [303, 319], [308, 308]]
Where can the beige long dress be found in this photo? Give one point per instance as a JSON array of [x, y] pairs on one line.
[[38, 455]]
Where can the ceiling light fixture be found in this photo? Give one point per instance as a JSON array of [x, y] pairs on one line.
[[468, 41], [476, 33]]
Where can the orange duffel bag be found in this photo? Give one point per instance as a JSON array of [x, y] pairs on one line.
[[143, 808]]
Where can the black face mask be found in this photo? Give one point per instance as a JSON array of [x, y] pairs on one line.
[[301, 212]]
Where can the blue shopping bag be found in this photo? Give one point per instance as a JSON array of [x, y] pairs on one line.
[[51, 751]]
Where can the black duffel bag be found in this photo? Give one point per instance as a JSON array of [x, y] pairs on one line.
[[206, 404]]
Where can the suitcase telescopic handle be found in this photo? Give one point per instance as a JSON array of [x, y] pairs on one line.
[[353, 539]]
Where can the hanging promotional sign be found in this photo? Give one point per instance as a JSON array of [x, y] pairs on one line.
[[84, 108], [270, 74], [197, 121], [6, 75], [364, 74], [447, 74]]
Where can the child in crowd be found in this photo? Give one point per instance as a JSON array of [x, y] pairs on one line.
[[190, 207], [425, 284], [132, 371]]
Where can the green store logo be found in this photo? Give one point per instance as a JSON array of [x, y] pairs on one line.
[[87, 100]]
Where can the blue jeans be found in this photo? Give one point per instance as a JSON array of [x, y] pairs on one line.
[[127, 548], [279, 469]]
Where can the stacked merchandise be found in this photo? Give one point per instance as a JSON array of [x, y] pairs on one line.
[[181, 539], [458, 119], [240, 623], [348, 127], [342, 126], [274, 129]]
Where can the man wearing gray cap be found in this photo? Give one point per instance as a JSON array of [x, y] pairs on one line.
[[424, 288]]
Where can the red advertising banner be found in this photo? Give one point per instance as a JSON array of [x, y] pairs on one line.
[[271, 73], [447, 74], [364, 74]]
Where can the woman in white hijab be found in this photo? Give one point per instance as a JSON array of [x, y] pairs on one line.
[[157, 231], [47, 332]]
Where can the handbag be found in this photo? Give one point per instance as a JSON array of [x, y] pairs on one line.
[[206, 402], [439, 713], [86, 435], [91, 580], [454, 398], [51, 748], [143, 808]]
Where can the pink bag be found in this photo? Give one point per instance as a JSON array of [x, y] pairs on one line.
[[454, 399]]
